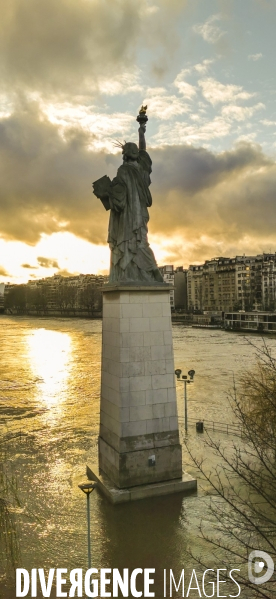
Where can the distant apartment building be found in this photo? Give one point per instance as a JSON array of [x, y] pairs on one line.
[[57, 293], [218, 284], [177, 277], [180, 292], [228, 284], [194, 288], [167, 273], [2, 289]]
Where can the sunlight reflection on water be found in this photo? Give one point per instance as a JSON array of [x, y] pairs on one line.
[[49, 355]]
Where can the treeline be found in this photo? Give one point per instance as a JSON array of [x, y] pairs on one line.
[[44, 299]]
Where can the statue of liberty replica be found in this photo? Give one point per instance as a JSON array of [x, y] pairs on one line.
[[139, 450], [128, 198]]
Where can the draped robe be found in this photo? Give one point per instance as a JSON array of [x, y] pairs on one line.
[[131, 256]]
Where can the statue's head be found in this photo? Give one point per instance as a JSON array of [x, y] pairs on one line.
[[129, 150]]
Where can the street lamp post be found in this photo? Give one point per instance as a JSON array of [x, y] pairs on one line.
[[87, 488], [186, 381]]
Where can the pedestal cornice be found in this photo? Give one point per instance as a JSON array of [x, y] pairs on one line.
[[137, 287]]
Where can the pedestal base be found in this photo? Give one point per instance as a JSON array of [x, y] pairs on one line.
[[185, 485], [140, 467]]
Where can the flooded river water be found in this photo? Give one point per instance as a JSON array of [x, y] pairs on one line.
[[49, 399]]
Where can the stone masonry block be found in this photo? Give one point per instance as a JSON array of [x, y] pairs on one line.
[[110, 338], [158, 410], [112, 367], [110, 380], [163, 297], [170, 409], [131, 310], [161, 352], [131, 340], [111, 424], [124, 354], [154, 425], [155, 338], [160, 323], [155, 396], [137, 413], [112, 325], [110, 409], [137, 398], [173, 423], [139, 354], [137, 325], [130, 369], [166, 310], [170, 366], [162, 381], [124, 325], [111, 353], [155, 367], [167, 335], [153, 310], [140, 383], [110, 394], [140, 297], [131, 429], [111, 310], [165, 424], [172, 394], [109, 298], [124, 384], [125, 297]]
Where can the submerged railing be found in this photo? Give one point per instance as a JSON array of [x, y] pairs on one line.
[[213, 426]]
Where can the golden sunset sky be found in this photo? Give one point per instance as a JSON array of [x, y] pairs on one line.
[[73, 76]]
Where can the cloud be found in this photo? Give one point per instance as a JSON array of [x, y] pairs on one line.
[[70, 41], [186, 89], [47, 262], [164, 106], [241, 113], [66, 273], [268, 123], [214, 203], [202, 67], [28, 266], [209, 30], [81, 46], [255, 56], [216, 92], [192, 170], [46, 179], [3, 272], [198, 194], [200, 130]]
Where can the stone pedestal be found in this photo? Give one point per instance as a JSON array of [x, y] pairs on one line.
[[139, 438]]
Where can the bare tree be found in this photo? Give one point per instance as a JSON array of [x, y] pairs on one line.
[[91, 298], [16, 299], [243, 501]]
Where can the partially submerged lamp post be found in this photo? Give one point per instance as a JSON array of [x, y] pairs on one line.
[[87, 488], [185, 380]]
